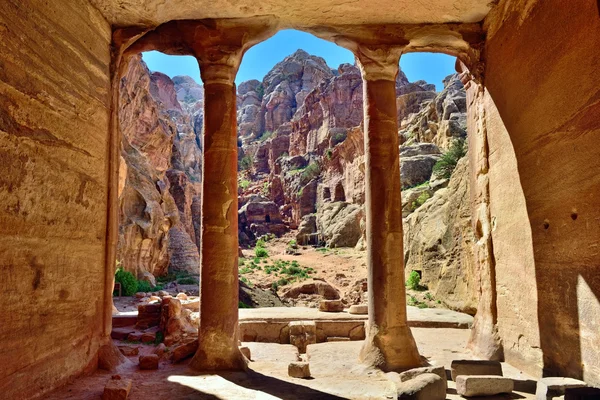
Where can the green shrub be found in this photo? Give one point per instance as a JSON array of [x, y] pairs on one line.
[[144, 286], [447, 163], [187, 281], [329, 153], [241, 304], [266, 135], [414, 281], [245, 163], [244, 184], [261, 243], [338, 138], [128, 282], [260, 91], [261, 252], [423, 197], [310, 172]]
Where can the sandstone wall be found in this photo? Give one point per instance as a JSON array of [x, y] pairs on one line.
[[54, 118], [542, 72]]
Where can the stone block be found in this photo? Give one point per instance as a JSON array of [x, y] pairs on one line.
[[361, 309], [117, 388], [413, 373], [553, 387], [148, 337], [129, 350], [582, 393], [246, 352], [422, 387], [475, 367], [331, 306], [182, 296], [149, 362], [483, 385], [301, 327], [184, 351], [299, 370]]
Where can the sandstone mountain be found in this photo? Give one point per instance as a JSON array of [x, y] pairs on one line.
[[301, 154]]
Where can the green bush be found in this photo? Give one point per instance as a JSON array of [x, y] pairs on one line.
[[266, 135], [310, 172], [244, 184], [187, 281], [447, 163], [128, 282], [261, 252], [414, 281], [423, 197], [246, 163], [329, 153]]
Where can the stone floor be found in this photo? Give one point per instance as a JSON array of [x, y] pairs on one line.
[[335, 371]]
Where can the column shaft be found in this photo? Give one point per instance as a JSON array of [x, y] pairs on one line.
[[389, 343], [218, 339]]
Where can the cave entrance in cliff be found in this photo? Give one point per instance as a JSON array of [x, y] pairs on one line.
[[160, 176]]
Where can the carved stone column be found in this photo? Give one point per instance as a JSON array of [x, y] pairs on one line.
[[389, 344]]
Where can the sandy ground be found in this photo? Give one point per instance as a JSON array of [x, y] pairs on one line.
[[336, 374]]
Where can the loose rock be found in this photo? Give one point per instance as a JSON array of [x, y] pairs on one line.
[[361, 309], [331, 306], [413, 373], [299, 370], [149, 361], [549, 388], [246, 352], [483, 385], [422, 387], [117, 388], [475, 367]]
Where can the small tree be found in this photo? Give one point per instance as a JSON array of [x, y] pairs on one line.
[[445, 165]]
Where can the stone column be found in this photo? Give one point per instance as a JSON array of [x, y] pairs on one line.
[[218, 333], [389, 344]]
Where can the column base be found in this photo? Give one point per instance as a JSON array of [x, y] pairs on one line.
[[219, 359], [392, 350]]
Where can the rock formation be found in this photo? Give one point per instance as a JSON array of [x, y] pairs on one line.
[[160, 174]]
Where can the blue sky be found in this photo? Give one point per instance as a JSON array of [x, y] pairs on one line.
[[262, 57]]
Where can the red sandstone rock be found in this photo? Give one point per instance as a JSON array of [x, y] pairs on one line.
[[117, 388], [149, 361]]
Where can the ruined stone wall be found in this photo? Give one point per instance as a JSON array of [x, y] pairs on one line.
[[54, 118], [542, 72]]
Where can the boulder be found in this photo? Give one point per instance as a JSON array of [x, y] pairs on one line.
[[314, 287], [299, 370], [483, 385], [554, 387], [422, 387], [129, 350], [117, 388], [331, 306], [149, 361], [416, 169], [184, 351], [339, 223], [475, 367], [306, 230], [361, 309], [413, 373]]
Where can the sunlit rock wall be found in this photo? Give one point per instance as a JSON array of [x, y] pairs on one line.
[[54, 119]]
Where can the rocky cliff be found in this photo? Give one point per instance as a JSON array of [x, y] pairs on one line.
[[301, 166], [160, 174]]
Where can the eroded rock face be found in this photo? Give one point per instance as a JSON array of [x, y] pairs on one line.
[[439, 243], [160, 180]]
